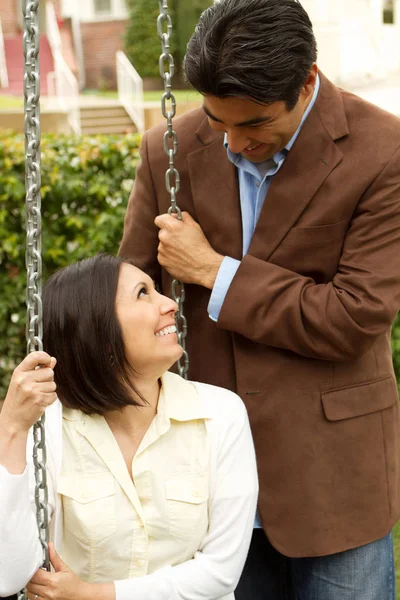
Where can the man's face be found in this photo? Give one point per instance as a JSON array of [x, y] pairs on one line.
[[254, 130]]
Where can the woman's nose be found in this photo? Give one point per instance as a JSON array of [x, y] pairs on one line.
[[167, 305]]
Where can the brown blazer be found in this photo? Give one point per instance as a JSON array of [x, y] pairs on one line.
[[304, 332]]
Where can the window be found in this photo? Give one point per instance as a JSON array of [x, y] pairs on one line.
[[388, 12], [102, 7]]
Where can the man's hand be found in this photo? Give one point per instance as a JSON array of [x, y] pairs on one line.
[[65, 585], [184, 251]]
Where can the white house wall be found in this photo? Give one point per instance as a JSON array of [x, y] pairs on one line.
[[86, 13], [354, 44]]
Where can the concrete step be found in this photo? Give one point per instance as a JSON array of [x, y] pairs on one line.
[[109, 129], [106, 119], [115, 120], [104, 114]]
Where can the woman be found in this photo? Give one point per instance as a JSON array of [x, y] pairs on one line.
[[152, 479]]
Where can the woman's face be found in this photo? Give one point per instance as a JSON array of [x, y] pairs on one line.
[[147, 320]]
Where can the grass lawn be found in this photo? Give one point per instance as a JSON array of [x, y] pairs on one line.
[[150, 96], [100, 93], [396, 536], [11, 102], [180, 95]]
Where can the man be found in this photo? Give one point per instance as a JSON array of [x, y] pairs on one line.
[[290, 246]]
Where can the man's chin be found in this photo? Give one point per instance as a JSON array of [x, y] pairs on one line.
[[259, 155], [258, 159]]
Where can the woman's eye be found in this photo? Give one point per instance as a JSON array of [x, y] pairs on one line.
[[142, 292]]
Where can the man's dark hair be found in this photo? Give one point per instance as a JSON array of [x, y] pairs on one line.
[[257, 49], [81, 329]]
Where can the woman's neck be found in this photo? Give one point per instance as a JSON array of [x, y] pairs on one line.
[[137, 418]]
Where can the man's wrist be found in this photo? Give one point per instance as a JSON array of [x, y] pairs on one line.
[[211, 271]]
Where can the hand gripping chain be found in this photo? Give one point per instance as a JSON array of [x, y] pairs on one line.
[[34, 325], [172, 181]]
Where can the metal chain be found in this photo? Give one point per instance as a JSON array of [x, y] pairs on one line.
[[172, 181], [34, 324]]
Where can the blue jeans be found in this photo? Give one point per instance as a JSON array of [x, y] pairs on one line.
[[365, 573]]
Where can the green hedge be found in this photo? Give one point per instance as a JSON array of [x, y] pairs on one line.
[[85, 186], [142, 44], [396, 348]]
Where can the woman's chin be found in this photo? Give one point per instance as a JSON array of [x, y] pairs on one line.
[[175, 356]]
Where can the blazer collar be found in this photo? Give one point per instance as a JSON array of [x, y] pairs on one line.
[[329, 105], [313, 157], [330, 108], [206, 135]]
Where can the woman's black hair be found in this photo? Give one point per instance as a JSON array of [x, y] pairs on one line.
[[81, 330], [257, 49]]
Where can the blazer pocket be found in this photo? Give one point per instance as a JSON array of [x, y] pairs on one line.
[[319, 234], [187, 501], [88, 506], [361, 399]]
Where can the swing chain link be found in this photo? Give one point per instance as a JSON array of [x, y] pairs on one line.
[[172, 180], [34, 325]]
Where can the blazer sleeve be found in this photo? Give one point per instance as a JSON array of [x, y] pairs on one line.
[[140, 237], [214, 571], [340, 320]]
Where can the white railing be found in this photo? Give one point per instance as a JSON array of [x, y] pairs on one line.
[[3, 64], [77, 41], [130, 90], [66, 85]]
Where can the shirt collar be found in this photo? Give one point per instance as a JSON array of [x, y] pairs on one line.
[[277, 158], [180, 400]]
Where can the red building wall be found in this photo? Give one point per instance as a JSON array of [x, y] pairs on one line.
[[9, 18], [101, 41]]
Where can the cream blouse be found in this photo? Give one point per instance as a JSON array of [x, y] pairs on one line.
[[180, 530]]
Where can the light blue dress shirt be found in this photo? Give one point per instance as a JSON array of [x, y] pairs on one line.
[[253, 189]]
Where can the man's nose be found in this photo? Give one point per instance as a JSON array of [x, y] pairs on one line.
[[237, 141]]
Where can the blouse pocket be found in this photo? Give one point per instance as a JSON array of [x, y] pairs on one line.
[[88, 506], [187, 505]]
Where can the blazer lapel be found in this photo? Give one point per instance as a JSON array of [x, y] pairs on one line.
[[215, 193], [310, 161]]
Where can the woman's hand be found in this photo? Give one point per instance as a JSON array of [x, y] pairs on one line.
[[31, 390], [65, 585], [61, 585]]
